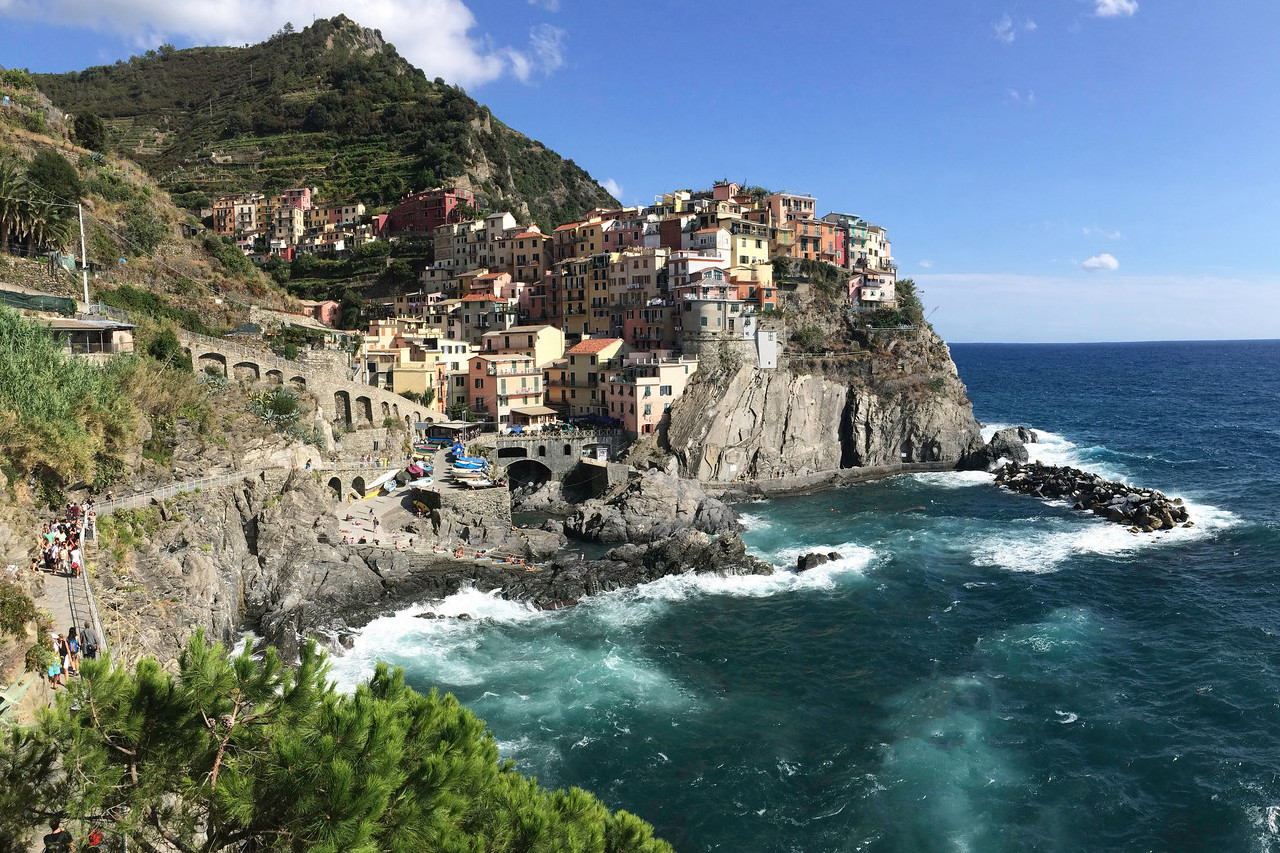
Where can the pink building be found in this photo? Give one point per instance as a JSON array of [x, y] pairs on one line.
[[499, 383], [300, 198], [640, 394]]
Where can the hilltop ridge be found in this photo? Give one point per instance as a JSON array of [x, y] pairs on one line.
[[332, 106]]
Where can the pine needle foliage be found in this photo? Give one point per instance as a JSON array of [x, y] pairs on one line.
[[239, 753]]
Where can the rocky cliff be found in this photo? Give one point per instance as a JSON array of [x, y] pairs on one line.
[[267, 556], [897, 401]]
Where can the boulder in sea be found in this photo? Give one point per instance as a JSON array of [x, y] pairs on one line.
[[811, 560]]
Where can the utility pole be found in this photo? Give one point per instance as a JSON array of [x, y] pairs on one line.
[[84, 261]]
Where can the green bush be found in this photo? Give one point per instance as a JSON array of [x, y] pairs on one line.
[[809, 339], [16, 609]]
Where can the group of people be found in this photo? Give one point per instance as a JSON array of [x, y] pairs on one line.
[[59, 550], [68, 650]]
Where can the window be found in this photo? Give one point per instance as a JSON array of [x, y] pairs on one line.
[[480, 384], [702, 321], [568, 450], [665, 390], [648, 410]]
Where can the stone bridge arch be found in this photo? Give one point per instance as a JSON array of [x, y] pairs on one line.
[[528, 472], [212, 359], [246, 370], [335, 485]]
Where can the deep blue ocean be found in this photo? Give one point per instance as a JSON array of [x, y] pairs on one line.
[[982, 671]]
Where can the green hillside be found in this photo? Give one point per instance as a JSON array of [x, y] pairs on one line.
[[332, 106]]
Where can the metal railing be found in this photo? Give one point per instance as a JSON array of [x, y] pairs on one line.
[[164, 492], [104, 648]]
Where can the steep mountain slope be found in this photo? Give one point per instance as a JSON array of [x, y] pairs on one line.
[[333, 106]]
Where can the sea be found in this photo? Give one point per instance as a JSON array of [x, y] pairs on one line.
[[978, 671]]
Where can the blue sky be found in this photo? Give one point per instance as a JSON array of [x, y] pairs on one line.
[[1048, 170]]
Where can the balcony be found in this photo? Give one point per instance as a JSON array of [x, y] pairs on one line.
[[514, 371]]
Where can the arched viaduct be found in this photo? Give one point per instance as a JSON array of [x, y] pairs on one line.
[[347, 404]]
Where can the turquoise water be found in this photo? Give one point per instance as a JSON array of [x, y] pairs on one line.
[[981, 671]]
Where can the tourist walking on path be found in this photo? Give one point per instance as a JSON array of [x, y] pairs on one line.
[[73, 650], [89, 641]]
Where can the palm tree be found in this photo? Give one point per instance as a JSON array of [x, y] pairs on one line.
[[14, 195]]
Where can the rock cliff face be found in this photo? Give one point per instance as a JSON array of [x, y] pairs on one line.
[[901, 402], [267, 556], [655, 506]]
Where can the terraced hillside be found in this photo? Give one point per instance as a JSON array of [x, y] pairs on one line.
[[333, 107]]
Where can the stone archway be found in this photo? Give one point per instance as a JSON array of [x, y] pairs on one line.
[[386, 410], [335, 484], [342, 409], [527, 472], [299, 383], [275, 377], [357, 485], [213, 359], [364, 410], [247, 371], [513, 453]]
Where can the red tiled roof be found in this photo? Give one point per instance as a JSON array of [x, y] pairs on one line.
[[480, 297], [569, 225], [490, 275], [529, 234], [594, 345]]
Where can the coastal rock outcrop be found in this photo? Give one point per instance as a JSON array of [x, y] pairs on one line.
[[897, 403], [1145, 510], [1009, 443], [267, 556], [654, 506]]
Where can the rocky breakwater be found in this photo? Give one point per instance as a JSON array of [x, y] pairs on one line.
[[899, 401], [1142, 510]]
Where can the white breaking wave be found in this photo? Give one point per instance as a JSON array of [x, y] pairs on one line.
[[954, 479], [751, 521], [1050, 448], [1039, 545]]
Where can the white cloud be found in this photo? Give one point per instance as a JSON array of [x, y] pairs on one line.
[[1004, 29], [612, 188], [549, 5], [1100, 263], [927, 264], [1102, 232], [1115, 8], [1018, 98], [435, 35]]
